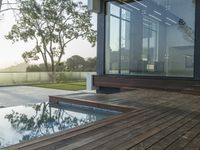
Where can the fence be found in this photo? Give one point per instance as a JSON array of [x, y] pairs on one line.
[[40, 77]]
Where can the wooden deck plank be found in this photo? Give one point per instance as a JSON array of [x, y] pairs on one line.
[[165, 142], [111, 127], [124, 130], [194, 144], [185, 139], [133, 138], [109, 141], [148, 142]]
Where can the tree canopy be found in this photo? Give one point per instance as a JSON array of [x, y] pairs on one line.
[[52, 24], [78, 63], [10, 5], [75, 63]]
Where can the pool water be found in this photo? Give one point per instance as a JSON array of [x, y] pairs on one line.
[[23, 123]]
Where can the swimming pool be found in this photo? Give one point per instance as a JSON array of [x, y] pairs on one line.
[[24, 123]]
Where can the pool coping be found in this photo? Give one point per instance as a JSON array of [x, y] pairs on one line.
[[72, 100]]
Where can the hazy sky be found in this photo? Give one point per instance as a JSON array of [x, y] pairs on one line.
[[10, 54]]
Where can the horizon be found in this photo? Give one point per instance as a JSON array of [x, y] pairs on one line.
[[11, 53]]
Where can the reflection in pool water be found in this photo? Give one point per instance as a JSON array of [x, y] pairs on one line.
[[23, 123]]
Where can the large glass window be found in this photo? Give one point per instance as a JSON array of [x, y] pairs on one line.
[[150, 37]]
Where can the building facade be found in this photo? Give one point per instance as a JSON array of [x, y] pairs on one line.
[[148, 43]]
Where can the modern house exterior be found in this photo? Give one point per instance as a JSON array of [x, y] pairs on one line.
[[148, 44]]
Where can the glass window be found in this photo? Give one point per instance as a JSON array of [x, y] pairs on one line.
[[126, 14], [150, 37], [114, 10], [112, 43], [150, 47], [125, 47], [189, 62]]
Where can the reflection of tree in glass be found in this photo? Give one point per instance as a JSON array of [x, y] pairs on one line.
[[2, 142], [188, 31], [44, 121]]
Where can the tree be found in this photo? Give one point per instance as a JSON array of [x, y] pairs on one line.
[[41, 68], [33, 68], [52, 24], [90, 64], [0, 4], [78, 63], [10, 5], [61, 67], [75, 63]]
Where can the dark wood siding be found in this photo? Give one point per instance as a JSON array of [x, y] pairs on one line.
[[123, 82]]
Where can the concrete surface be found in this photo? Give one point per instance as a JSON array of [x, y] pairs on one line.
[[20, 95]]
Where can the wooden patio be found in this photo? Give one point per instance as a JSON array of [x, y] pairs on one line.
[[152, 119]]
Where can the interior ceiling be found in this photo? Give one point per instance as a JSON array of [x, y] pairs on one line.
[[167, 2], [160, 2]]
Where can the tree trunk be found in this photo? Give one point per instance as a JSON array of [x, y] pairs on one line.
[[53, 69], [53, 76], [0, 4]]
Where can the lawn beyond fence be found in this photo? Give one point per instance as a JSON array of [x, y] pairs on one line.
[[40, 77], [72, 86]]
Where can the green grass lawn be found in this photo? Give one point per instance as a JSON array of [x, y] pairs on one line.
[[72, 86]]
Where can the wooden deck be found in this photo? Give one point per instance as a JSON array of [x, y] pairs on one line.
[[154, 120]]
